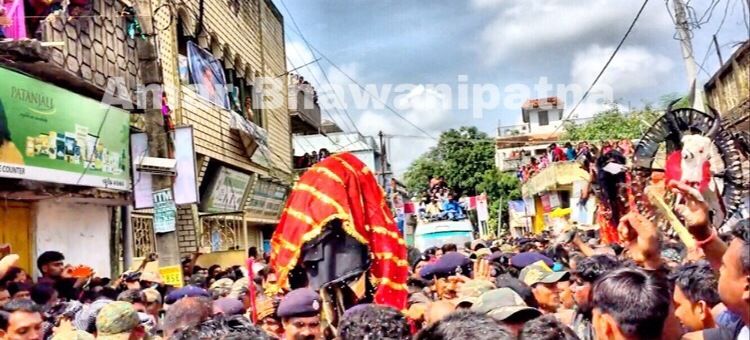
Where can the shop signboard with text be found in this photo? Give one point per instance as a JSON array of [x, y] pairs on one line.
[[268, 199], [226, 192], [51, 134]]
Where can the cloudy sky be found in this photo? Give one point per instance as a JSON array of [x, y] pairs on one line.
[[401, 51]]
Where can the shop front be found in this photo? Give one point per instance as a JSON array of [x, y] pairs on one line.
[[64, 166], [239, 210], [553, 195]]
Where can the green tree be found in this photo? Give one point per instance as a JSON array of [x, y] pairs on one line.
[[421, 170], [611, 124], [500, 187], [465, 158], [461, 156]]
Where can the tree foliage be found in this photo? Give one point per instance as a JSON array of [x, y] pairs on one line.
[[461, 156], [465, 158], [612, 124]]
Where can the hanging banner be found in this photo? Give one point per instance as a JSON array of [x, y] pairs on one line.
[[554, 200], [545, 203], [207, 75], [165, 211], [51, 134], [482, 209]]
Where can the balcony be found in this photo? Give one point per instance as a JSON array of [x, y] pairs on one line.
[[510, 164], [304, 109], [512, 130], [83, 48]]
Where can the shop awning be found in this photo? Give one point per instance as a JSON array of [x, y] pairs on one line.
[[555, 175]]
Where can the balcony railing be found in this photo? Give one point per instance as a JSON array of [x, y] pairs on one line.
[[304, 109], [512, 130], [511, 164]]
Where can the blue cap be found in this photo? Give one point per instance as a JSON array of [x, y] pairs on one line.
[[229, 306], [448, 264], [187, 291], [299, 302], [524, 259]]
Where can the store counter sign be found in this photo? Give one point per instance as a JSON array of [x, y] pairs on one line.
[[54, 135], [165, 211], [172, 276], [227, 193]]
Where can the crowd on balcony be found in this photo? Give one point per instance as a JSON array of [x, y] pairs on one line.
[[584, 152], [296, 79], [20, 19], [309, 159]]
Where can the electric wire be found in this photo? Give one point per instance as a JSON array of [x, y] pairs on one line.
[[614, 53]]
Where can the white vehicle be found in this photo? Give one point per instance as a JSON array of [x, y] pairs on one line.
[[438, 233]]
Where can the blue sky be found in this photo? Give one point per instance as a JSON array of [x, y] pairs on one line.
[[499, 42]]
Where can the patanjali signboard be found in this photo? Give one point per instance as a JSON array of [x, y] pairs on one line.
[[54, 135]]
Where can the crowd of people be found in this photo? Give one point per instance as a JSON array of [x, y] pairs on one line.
[[440, 203], [540, 287], [583, 152], [309, 159], [337, 275]]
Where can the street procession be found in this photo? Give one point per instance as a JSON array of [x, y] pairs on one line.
[[367, 170]]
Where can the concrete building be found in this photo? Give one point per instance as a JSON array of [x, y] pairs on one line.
[[541, 124], [242, 140], [64, 174]]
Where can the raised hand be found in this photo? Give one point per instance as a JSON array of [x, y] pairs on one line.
[[693, 210], [642, 239]]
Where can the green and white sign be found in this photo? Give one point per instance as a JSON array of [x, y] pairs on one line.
[[227, 192], [165, 211], [54, 135]]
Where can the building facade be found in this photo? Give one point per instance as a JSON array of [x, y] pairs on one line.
[[241, 135], [541, 125], [64, 166]]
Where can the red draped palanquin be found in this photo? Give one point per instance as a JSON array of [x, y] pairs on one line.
[[342, 187]]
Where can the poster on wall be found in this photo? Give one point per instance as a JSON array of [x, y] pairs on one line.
[[207, 75], [185, 183], [165, 211], [54, 135], [226, 192]]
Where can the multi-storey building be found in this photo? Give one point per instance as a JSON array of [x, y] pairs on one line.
[[241, 129]]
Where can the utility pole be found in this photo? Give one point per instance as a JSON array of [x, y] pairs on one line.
[[683, 30], [150, 73], [382, 160]]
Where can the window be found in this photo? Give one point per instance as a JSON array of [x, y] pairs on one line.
[[251, 100], [543, 118], [182, 38]]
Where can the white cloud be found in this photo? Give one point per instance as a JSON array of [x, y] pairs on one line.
[[633, 69], [553, 27], [423, 106]]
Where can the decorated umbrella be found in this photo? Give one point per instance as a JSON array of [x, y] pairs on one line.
[[693, 147]]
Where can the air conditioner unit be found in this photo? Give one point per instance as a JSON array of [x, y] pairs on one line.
[[158, 166]]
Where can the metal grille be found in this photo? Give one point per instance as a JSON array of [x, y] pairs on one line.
[[221, 232], [143, 235]]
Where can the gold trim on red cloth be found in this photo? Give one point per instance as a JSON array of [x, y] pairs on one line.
[[341, 187]]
